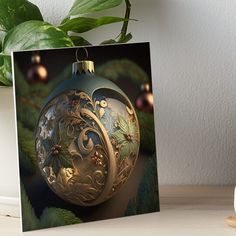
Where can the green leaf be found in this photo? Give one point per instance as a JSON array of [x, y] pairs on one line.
[[126, 38], [15, 12], [123, 125], [133, 147], [48, 161], [27, 36], [109, 41], [47, 144], [132, 128], [124, 150], [79, 41], [53, 217], [84, 24], [2, 35], [65, 20], [35, 35], [65, 161], [5, 70], [56, 165], [87, 6], [118, 135]]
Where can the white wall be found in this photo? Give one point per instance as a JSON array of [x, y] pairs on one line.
[[8, 157], [194, 70]]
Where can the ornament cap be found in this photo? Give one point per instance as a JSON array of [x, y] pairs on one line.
[[83, 67], [36, 59], [145, 87]]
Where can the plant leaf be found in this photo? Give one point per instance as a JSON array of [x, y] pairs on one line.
[[2, 35], [123, 125], [15, 12], [87, 6], [84, 24], [65, 161], [109, 41], [35, 35], [56, 166], [48, 161], [30, 35], [79, 41], [5, 70], [126, 39], [124, 150]]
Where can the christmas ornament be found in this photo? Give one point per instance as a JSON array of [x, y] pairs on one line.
[[144, 102], [87, 139], [37, 73]]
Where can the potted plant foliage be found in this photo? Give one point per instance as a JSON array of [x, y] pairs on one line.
[[22, 27]]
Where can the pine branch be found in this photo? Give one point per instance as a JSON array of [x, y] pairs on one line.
[[29, 219], [26, 149], [116, 69], [53, 217], [147, 199]]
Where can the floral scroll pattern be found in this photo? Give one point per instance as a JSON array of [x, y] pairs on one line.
[[86, 147]]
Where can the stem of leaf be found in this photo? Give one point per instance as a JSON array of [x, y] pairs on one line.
[[126, 22]]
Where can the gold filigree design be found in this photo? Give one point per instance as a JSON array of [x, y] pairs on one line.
[[84, 128]]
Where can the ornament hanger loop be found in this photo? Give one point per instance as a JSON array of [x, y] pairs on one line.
[[77, 54]]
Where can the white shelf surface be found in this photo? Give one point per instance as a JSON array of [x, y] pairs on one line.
[[184, 211]]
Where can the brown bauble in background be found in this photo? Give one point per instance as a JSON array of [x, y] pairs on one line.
[[144, 101], [37, 73]]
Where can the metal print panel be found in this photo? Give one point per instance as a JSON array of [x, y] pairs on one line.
[[86, 139]]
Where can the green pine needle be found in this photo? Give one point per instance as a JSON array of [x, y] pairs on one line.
[[26, 148], [147, 199], [116, 69], [53, 217], [29, 219]]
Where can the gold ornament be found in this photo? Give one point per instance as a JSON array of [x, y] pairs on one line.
[[85, 157], [87, 143]]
